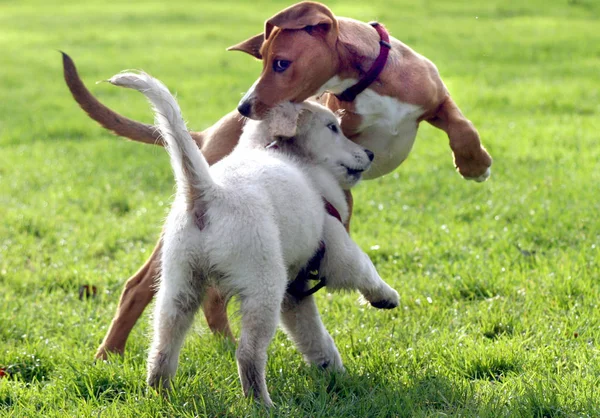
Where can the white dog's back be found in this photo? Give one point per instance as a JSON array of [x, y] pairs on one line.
[[267, 193]]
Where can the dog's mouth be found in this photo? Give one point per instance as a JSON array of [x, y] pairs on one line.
[[354, 172]]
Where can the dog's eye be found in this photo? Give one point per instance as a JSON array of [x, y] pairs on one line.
[[333, 128], [280, 66]]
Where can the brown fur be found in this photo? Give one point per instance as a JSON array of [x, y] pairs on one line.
[[331, 46], [347, 48]]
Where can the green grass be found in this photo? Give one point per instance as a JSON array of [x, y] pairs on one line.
[[499, 282]]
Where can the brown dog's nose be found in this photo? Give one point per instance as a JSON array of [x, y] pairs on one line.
[[244, 108], [370, 154]]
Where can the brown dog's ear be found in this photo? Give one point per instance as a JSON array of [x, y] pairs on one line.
[[250, 46], [303, 15]]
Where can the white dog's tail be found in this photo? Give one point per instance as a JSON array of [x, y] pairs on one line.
[[189, 165]]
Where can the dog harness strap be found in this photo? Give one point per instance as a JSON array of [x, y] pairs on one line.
[[322, 283], [351, 92], [297, 287]]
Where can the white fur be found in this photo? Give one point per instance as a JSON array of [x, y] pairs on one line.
[[388, 127], [248, 224]]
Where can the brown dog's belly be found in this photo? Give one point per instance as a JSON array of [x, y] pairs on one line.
[[390, 151], [388, 127]]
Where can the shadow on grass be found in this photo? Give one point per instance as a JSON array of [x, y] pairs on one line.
[[371, 395], [472, 289], [6, 401], [542, 404], [497, 330], [491, 368], [102, 383], [28, 368]]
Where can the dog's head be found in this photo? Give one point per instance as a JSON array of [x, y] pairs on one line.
[[298, 53], [312, 133]]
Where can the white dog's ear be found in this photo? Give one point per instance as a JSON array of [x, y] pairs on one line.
[[283, 120]]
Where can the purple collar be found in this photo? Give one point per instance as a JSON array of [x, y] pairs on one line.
[[351, 92]]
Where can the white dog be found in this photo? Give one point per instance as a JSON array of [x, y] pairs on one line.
[[248, 225]]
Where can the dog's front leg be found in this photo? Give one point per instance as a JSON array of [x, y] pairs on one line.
[[303, 324], [470, 158], [346, 266]]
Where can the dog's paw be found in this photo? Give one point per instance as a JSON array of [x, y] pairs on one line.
[[473, 164], [391, 301], [333, 361], [160, 371], [384, 304], [159, 382], [335, 366], [482, 177], [104, 353]]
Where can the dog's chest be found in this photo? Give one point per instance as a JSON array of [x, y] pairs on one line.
[[388, 127], [382, 124]]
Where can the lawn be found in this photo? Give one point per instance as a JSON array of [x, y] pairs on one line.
[[499, 281]]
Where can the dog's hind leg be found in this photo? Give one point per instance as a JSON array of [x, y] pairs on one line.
[[261, 298], [215, 312], [346, 266], [137, 294], [303, 324], [178, 298]]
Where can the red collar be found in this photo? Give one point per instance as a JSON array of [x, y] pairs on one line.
[[332, 210], [351, 92]]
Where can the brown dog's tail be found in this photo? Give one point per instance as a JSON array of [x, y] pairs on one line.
[[109, 119]]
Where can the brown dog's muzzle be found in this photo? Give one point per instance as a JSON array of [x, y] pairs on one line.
[[245, 107], [252, 108]]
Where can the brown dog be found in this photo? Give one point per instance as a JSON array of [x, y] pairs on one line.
[[307, 51]]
